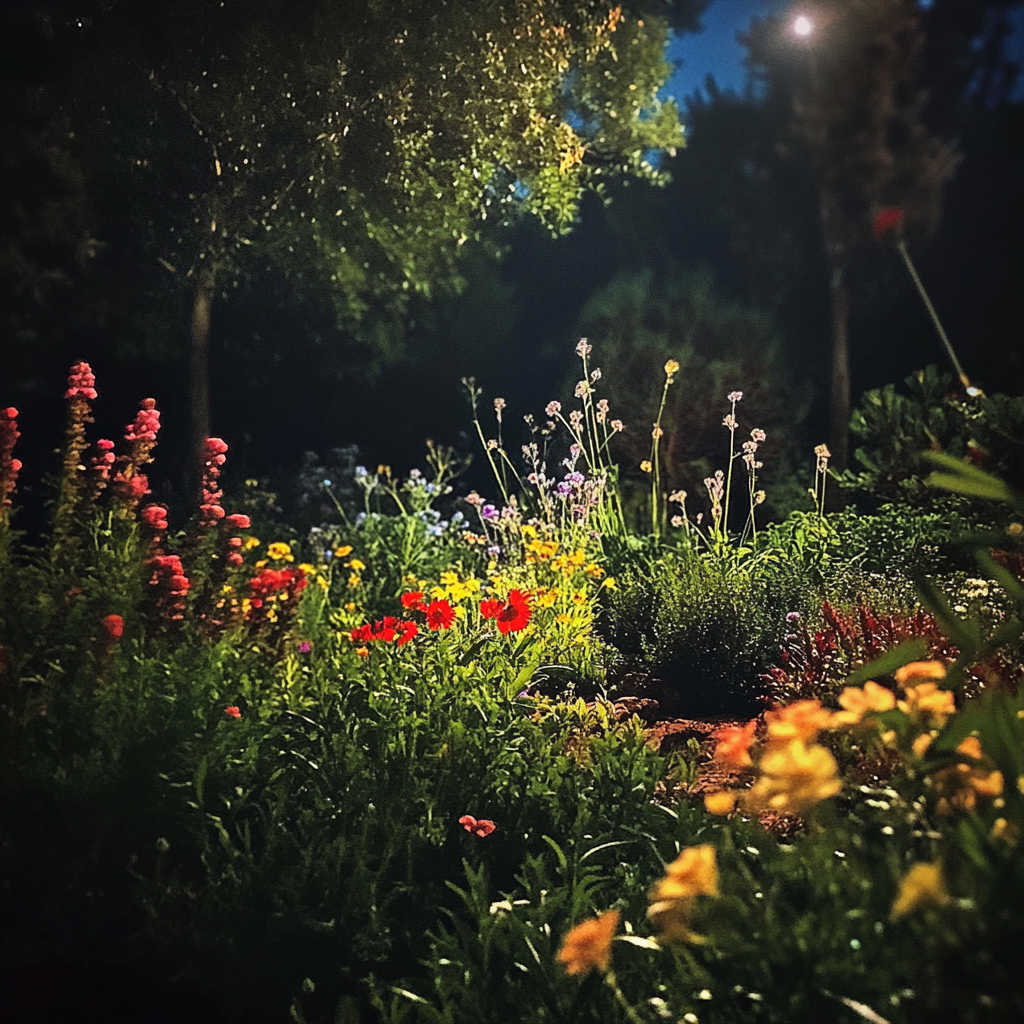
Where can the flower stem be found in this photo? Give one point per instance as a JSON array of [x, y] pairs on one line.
[[902, 245]]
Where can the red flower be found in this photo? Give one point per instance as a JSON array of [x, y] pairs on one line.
[[81, 382], [515, 615], [361, 634], [232, 712], [235, 559], [113, 627], [481, 828], [440, 615], [491, 609], [155, 517], [888, 221], [414, 599], [407, 630], [238, 521]]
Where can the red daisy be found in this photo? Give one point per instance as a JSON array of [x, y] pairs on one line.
[[491, 609], [406, 630], [414, 599], [516, 614], [440, 615]]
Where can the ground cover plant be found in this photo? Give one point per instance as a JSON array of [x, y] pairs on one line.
[[377, 771]]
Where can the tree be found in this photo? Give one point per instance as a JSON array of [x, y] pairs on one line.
[[353, 148], [857, 114]]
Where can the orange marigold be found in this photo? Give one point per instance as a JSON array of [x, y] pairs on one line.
[[734, 744], [800, 721]]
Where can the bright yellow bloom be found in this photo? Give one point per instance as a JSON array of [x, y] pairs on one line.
[[250, 543], [279, 551], [671, 368], [540, 549], [307, 568], [922, 743], [589, 944], [609, 583], [646, 466], [563, 619], [355, 565], [856, 703], [926, 702], [546, 598], [350, 606], [343, 552], [794, 777], [593, 569], [921, 886], [354, 580], [579, 598], [693, 873], [922, 670], [723, 802], [800, 721]]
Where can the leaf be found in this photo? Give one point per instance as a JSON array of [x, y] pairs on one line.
[[906, 652], [638, 940], [963, 478], [605, 846], [562, 860]]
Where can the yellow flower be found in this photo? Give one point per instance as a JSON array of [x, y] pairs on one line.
[[350, 606], [671, 368], [563, 619], [645, 466], [250, 543], [723, 802], [343, 552], [354, 580], [579, 598], [307, 568], [921, 886], [593, 569], [922, 743], [355, 565], [279, 551], [800, 721], [794, 777], [920, 670], [692, 873], [926, 702], [546, 598], [609, 583], [262, 562], [856, 703], [960, 785], [589, 944]]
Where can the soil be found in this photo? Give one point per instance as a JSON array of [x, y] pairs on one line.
[[668, 729]]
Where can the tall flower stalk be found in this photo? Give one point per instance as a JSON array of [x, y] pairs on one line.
[[654, 465]]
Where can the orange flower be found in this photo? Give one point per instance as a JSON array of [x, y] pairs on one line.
[[723, 802], [962, 784], [693, 873], [856, 703], [794, 777], [589, 944], [800, 721], [734, 742], [926, 702], [920, 670]]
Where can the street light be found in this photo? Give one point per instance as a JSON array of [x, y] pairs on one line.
[[803, 26]]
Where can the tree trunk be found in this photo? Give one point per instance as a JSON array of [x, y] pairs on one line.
[[199, 382], [839, 405]]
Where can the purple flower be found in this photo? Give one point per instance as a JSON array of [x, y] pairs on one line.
[[563, 490], [792, 616], [305, 647], [490, 512], [493, 551]]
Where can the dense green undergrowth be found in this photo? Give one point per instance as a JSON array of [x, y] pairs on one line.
[[373, 773]]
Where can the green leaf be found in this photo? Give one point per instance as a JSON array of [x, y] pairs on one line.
[[963, 478], [904, 654]]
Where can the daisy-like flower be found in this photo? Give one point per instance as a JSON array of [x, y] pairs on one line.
[[588, 946], [856, 703], [693, 873], [794, 777], [232, 711], [440, 615], [800, 721], [515, 615]]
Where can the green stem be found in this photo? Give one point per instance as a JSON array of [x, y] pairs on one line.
[[935, 317]]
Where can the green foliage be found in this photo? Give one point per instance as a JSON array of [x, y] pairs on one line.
[[704, 632], [895, 430]]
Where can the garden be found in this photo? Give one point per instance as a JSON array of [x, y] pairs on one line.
[[475, 552], [402, 767]]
